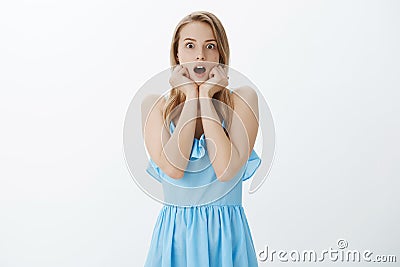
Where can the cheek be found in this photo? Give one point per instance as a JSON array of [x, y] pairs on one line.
[[213, 56], [184, 56]]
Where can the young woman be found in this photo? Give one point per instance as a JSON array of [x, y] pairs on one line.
[[200, 140]]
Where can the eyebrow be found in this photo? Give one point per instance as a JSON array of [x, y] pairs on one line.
[[191, 39]]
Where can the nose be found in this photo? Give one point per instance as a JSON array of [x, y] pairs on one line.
[[200, 55]]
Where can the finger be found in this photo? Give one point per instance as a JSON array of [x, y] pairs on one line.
[[186, 72], [225, 70], [183, 72], [176, 69], [212, 73], [222, 71], [218, 74], [222, 77]]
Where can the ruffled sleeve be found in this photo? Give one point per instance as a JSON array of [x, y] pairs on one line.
[[198, 151], [252, 165], [154, 170], [198, 148]]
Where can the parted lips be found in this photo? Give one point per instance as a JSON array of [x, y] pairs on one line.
[[199, 69]]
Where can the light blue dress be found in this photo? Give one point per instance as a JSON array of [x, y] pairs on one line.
[[202, 222]]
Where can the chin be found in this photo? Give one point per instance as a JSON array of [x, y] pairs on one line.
[[198, 80]]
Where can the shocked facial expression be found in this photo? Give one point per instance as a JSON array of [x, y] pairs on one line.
[[197, 50]]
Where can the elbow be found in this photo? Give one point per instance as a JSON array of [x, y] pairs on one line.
[[223, 180], [227, 174], [174, 173], [170, 170], [224, 176]]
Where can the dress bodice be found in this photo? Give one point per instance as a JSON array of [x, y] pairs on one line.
[[199, 185]]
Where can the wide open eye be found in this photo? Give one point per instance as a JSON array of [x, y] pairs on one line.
[[210, 46], [189, 45]]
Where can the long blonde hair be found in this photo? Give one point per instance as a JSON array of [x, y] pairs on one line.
[[176, 97]]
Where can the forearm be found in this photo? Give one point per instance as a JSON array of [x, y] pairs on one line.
[[177, 148], [226, 157]]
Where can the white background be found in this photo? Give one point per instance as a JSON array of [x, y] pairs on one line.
[[329, 71]]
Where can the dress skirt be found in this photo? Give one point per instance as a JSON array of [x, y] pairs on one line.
[[203, 236]]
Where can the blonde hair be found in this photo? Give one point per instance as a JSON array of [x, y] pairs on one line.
[[176, 97]]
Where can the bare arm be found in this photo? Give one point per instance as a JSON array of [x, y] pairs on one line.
[[231, 154], [170, 152]]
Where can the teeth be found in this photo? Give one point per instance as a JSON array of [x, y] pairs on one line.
[[199, 69]]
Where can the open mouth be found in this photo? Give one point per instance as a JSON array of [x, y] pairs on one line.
[[199, 69]]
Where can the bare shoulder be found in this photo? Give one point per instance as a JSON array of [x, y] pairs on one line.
[[245, 95], [152, 101], [151, 108]]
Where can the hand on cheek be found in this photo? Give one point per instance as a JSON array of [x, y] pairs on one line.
[[217, 81], [180, 79]]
